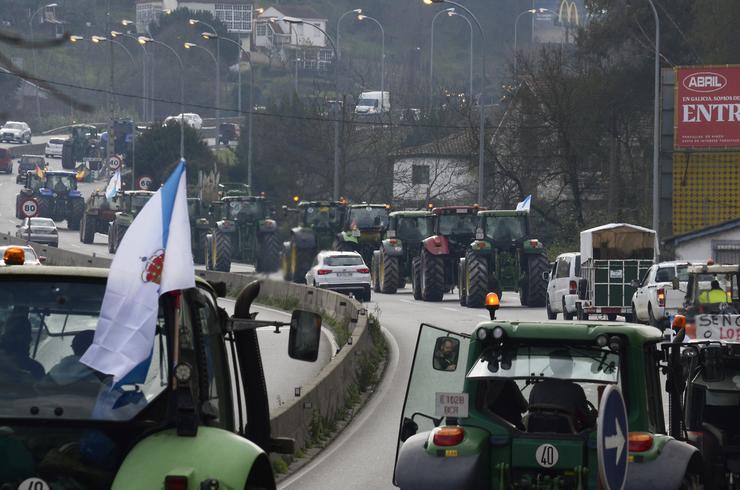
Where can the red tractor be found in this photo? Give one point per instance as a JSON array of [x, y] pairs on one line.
[[434, 272]]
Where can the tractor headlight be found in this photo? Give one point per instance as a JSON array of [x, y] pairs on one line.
[[482, 333]]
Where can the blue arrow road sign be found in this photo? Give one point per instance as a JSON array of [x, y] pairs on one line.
[[612, 434]]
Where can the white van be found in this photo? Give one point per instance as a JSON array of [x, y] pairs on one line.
[[373, 103], [562, 286]]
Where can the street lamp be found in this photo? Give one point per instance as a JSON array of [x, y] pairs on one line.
[[215, 62], [144, 40], [209, 36], [516, 23], [470, 76], [481, 120], [33, 52], [355, 11], [361, 17], [195, 22], [431, 53], [115, 34]]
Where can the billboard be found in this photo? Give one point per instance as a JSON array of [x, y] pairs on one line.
[[558, 21], [707, 109]]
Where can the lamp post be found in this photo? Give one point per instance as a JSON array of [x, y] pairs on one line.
[[195, 22], [215, 62], [470, 76], [213, 37], [293, 20], [516, 23], [355, 11], [295, 81], [144, 40], [431, 54], [656, 124], [33, 52], [382, 55], [481, 119], [115, 34]]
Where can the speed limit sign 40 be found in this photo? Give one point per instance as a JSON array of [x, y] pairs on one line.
[[29, 208]]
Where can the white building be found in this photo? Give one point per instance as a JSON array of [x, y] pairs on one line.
[[290, 42], [720, 242]]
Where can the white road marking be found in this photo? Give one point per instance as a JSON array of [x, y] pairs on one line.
[[450, 309]]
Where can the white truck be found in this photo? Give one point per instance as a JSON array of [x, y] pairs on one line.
[[656, 299], [373, 103]]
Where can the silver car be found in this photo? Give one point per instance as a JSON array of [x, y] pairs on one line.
[[15, 132], [343, 272], [42, 230]]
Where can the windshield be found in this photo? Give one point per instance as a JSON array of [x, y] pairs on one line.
[[13, 126], [506, 228], [367, 218], [243, 209], [341, 260], [61, 183], [42, 223], [45, 327], [726, 282], [322, 216], [33, 161], [574, 363], [368, 103], [414, 229], [666, 274], [457, 224]]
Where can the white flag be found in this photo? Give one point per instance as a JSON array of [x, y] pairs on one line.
[[153, 258], [524, 205], [114, 185]]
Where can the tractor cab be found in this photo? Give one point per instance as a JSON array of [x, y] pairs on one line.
[[134, 201], [505, 227], [711, 289], [516, 404], [59, 182], [242, 208], [321, 214], [362, 229], [458, 224]]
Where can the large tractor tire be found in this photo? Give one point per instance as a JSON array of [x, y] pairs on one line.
[[476, 275], [268, 255], [300, 261], [221, 257], [374, 268], [416, 277], [536, 291], [462, 292], [76, 212], [87, 229], [285, 263], [389, 273], [432, 277], [44, 207]]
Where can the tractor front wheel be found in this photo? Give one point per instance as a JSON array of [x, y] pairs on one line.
[[536, 286], [432, 277]]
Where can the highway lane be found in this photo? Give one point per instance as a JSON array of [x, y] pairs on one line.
[[35, 140], [362, 457]]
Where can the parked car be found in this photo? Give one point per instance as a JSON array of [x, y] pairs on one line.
[[29, 253], [562, 286], [228, 132], [15, 132], [191, 119], [655, 298], [43, 230], [54, 148], [343, 272], [6, 161]]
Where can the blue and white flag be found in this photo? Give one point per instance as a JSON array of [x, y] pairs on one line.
[[524, 205], [153, 258], [114, 185]]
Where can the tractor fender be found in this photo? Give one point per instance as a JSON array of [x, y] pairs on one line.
[[303, 237], [225, 226], [346, 236], [267, 226], [675, 459], [166, 454], [74, 193], [479, 247], [417, 469], [436, 245], [392, 247]]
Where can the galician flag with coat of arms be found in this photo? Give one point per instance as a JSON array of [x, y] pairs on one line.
[[153, 258]]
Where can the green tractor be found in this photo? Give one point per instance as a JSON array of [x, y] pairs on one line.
[[130, 202], [99, 214], [391, 263], [503, 258], [514, 406], [318, 224], [242, 229], [82, 142], [57, 196], [199, 227], [362, 229], [195, 415]]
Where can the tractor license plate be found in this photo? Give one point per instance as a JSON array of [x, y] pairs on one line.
[[718, 327]]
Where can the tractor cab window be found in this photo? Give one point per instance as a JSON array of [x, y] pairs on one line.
[[322, 216], [414, 229], [506, 228], [704, 283], [362, 218], [61, 183], [457, 224], [245, 210]]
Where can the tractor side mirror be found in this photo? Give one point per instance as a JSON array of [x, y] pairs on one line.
[[675, 283], [42, 259], [446, 353], [546, 276], [305, 336], [408, 428]]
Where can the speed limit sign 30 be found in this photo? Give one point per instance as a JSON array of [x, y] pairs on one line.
[[30, 208]]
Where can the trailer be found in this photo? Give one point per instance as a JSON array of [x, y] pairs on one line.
[[612, 257]]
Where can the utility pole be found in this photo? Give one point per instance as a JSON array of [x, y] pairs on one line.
[[109, 27]]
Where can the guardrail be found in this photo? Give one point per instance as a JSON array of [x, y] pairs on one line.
[[322, 399]]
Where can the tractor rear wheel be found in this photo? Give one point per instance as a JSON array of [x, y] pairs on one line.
[[87, 229], [536, 285], [432, 277], [76, 212], [222, 242], [44, 207], [416, 277], [268, 255], [476, 275], [389, 273]]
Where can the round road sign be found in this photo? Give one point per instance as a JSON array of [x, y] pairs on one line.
[[29, 208], [114, 162], [611, 433], [144, 182]]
